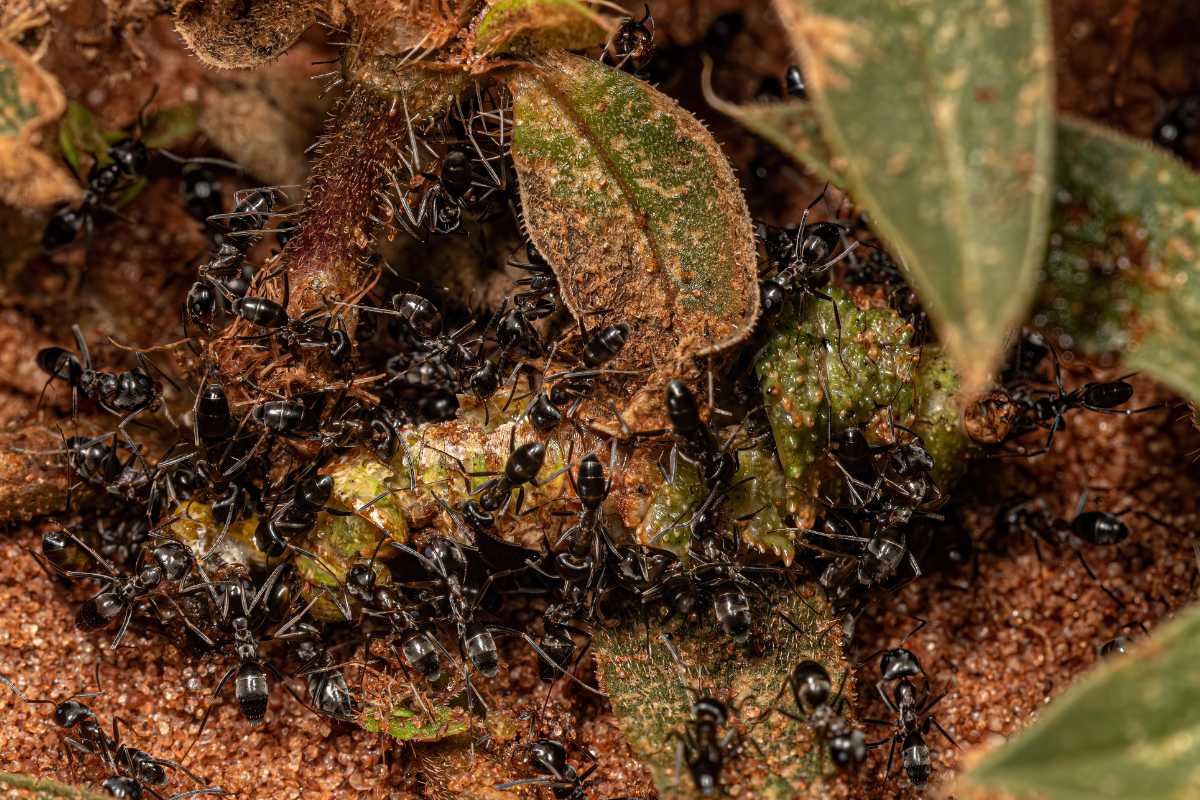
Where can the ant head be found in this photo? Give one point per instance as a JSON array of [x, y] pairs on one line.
[[899, 663], [708, 708], [68, 713], [130, 155], [852, 444]]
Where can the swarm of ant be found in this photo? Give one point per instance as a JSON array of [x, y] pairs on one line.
[[366, 493]]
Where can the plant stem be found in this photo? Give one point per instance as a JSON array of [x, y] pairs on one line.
[[44, 787]]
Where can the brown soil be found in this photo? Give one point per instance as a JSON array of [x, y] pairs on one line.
[[1005, 635]]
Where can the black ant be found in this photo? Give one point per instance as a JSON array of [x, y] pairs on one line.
[[128, 158], [802, 257], [522, 466], [707, 740], [549, 758], [168, 563], [821, 709], [141, 770], [1101, 528], [912, 707], [634, 41], [241, 610], [125, 394], [1101, 398], [73, 715], [570, 388]]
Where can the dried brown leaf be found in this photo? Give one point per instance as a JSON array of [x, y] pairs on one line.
[[232, 34], [30, 99]]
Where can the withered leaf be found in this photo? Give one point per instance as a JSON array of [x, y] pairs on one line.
[[524, 27], [632, 202], [233, 34], [30, 98]]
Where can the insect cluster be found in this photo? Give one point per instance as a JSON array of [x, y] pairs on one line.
[[224, 475]]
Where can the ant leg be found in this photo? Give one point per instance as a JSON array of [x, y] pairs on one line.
[[942, 731], [116, 642], [1091, 574], [208, 711], [891, 754], [213, 790], [887, 701]]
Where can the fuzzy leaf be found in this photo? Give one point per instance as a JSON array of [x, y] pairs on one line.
[[650, 699], [632, 202], [525, 27], [943, 115], [233, 34], [1131, 728], [1122, 271]]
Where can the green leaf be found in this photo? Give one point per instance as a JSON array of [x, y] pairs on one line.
[[791, 125], [634, 205], [650, 699], [1131, 728], [942, 113], [758, 498], [169, 125], [1122, 271], [526, 27], [79, 136], [405, 725]]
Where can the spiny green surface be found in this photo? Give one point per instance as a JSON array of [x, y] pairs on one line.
[[1122, 268], [525, 27], [405, 725], [1130, 729], [633, 203], [942, 111], [757, 488], [938, 416], [650, 700], [803, 379]]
